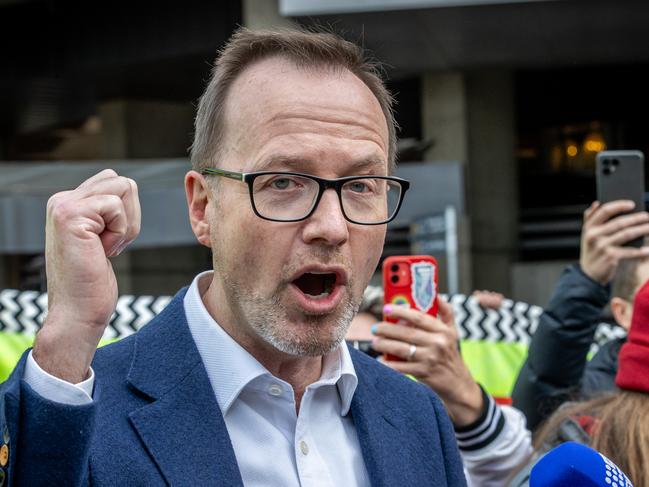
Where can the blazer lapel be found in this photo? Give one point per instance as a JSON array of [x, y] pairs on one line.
[[380, 431], [182, 428]]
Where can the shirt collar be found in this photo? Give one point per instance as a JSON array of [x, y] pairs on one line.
[[230, 368]]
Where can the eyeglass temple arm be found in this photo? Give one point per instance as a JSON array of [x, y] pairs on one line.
[[222, 172]]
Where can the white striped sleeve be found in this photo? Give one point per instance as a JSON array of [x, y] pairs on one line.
[[484, 430], [496, 448]]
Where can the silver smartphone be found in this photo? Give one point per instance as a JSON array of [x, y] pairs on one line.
[[620, 176]]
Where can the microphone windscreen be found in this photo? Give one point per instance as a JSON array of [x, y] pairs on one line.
[[574, 465]]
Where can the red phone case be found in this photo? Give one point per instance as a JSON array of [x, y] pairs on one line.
[[411, 280]]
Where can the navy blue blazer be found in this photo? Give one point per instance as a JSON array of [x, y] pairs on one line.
[[155, 421]]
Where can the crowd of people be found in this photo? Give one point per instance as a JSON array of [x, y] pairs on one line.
[[561, 394], [244, 378]]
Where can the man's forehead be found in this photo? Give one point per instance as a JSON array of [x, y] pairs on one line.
[[276, 90]]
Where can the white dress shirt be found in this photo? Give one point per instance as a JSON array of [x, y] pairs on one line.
[[273, 444]]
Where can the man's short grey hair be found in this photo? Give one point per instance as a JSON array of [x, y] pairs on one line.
[[317, 50]]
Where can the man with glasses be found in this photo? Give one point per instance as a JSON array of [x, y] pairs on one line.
[[244, 377]]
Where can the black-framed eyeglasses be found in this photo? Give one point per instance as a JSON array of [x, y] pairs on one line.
[[293, 197]]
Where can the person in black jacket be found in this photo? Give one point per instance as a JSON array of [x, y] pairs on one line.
[[556, 369]]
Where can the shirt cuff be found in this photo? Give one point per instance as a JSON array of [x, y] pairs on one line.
[[55, 389], [485, 429]]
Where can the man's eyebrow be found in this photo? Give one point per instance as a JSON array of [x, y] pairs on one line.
[[301, 164], [284, 162], [368, 163]]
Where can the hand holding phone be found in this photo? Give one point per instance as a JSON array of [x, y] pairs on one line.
[[620, 176], [615, 227]]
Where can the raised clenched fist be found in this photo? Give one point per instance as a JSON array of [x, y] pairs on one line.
[[84, 228]]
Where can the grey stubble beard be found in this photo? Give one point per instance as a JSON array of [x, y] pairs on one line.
[[268, 318]]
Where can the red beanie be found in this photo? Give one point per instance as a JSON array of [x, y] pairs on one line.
[[633, 362]]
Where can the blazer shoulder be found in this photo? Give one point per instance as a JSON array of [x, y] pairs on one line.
[[393, 386], [109, 357]]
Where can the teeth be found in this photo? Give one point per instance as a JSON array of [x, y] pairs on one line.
[[319, 296]]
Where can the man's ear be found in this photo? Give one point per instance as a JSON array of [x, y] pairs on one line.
[[622, 311], [198, 197]]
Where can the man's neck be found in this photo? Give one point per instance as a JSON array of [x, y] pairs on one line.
[[298, 371]]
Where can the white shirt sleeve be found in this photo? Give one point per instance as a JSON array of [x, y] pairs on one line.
[[497, 459], [55, 389]]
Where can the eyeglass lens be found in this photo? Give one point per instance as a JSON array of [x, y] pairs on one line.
[[288, 197]]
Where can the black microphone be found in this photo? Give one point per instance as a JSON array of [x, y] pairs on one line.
[[574, 465]]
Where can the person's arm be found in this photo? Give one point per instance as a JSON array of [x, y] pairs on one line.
[[557, 354], [55, 389], [437, 361], [495, 445], [49, 440], [559, 348]]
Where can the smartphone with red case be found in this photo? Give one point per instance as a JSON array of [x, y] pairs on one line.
[[410, 280]]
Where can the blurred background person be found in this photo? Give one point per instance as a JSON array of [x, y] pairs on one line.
[[608, 272], [615, 424]]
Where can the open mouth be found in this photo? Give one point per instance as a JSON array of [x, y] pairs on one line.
[[316, 285]]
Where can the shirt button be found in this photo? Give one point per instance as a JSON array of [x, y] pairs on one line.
[[304, 448], [275, 390]]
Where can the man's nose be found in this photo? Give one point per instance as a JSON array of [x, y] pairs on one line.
[[327, 223]]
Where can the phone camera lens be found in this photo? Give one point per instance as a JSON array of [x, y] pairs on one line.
[[394, 268], [394, 279], [607, 162], [615, 162], [606, 170]]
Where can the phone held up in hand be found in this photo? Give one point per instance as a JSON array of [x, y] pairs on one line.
[[620, 176], [410, 280]]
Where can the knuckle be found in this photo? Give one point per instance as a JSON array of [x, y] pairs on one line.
[[61, 209], [124, 184], [115, 201], [132, 184], [52, 202], [135, 228], [601, 246]]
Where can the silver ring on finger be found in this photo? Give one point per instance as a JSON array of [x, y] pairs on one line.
[[411, 352]]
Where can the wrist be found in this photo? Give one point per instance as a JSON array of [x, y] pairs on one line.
[[597, 278], [66, 356], [467, 408], [484, 431]]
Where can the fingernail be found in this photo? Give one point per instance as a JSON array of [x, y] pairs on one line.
[[387, 309], [116, 248], [375, 341], [373, 329], [122, 246]]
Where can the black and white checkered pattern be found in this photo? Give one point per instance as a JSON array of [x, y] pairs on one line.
[[24, 311]]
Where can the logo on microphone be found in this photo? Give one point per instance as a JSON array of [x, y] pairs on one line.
[[614, 476]]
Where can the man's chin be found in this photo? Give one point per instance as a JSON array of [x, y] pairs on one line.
[[305, 348], [309, 336]]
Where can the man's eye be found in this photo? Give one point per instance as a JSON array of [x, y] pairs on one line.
[[359, 187], [282, 183]]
